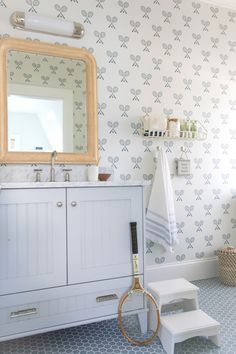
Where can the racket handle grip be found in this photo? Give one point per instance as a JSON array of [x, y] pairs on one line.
[[133, 227]]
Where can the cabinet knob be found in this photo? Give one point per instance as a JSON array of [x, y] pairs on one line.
[[59, 204], [73, 204]]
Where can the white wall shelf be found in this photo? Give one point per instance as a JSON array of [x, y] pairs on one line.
[[199, 134]]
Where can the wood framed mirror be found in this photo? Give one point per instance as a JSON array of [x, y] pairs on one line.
[[48, 101]]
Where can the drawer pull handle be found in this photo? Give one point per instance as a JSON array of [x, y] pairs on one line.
[[73, 204], [59, 204], [26, 312], [107, 298]]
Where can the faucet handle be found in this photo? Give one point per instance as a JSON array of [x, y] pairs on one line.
[[67, 174], [38, 175], [67, 169]]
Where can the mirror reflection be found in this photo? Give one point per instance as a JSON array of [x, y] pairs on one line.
[[47, 107]]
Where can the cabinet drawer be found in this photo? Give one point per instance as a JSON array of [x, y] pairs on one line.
[[44, 309]]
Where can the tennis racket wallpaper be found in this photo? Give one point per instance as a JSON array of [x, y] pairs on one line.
[[168, 58]]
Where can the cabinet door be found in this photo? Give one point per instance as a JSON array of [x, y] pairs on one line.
[[99, 242], [32, 239]]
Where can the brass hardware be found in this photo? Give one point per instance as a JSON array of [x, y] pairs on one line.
[[73, 204], [107, 298], [18, 21], [67, 174], [38, 175], [78, 30], [59, 204], [26, 312], [52, 170]]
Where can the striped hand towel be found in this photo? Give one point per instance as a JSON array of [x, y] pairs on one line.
[[160, 217]]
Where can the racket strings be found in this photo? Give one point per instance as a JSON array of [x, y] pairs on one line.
[[133, 315]]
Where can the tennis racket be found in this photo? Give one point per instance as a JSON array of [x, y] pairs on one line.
[[135, 304]]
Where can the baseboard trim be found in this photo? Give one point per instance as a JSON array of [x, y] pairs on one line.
[[190, 270]]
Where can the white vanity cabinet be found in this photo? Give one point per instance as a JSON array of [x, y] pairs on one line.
[[32, 239], [65, 255], [99, 232]]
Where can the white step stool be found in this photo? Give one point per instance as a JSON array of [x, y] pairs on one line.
[[175, 290], [181, 326]]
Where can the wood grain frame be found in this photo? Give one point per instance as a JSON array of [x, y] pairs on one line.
[[89, 157]]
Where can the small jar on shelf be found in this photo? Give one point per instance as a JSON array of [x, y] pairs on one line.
[[173, 127]]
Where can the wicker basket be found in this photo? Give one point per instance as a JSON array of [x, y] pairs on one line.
[[227, 265]]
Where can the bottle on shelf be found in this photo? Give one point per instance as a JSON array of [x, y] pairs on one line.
[[173, 128], [193, 128], [182, 128]]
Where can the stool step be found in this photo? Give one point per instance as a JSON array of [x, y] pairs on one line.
[[173, 290], [188, 321], [181, 326], [168, 287]]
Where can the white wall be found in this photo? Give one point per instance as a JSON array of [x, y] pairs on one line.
[[179, 58]]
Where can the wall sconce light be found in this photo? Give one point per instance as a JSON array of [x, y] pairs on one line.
[[36, 23]]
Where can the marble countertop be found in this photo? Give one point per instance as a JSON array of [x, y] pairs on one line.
[[28, 185]]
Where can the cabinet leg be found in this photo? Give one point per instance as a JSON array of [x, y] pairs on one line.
[[152, 317], [142, 318]]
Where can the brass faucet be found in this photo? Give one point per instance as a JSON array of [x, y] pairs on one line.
[[52, 171]]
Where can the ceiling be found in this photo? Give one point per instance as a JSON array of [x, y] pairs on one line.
[[231, 4]]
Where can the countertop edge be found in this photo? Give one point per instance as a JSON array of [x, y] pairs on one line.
[[78, 184]]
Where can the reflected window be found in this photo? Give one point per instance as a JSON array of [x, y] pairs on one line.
[[38, 122]]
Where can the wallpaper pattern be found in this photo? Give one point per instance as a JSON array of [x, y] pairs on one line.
[[159, 58]]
